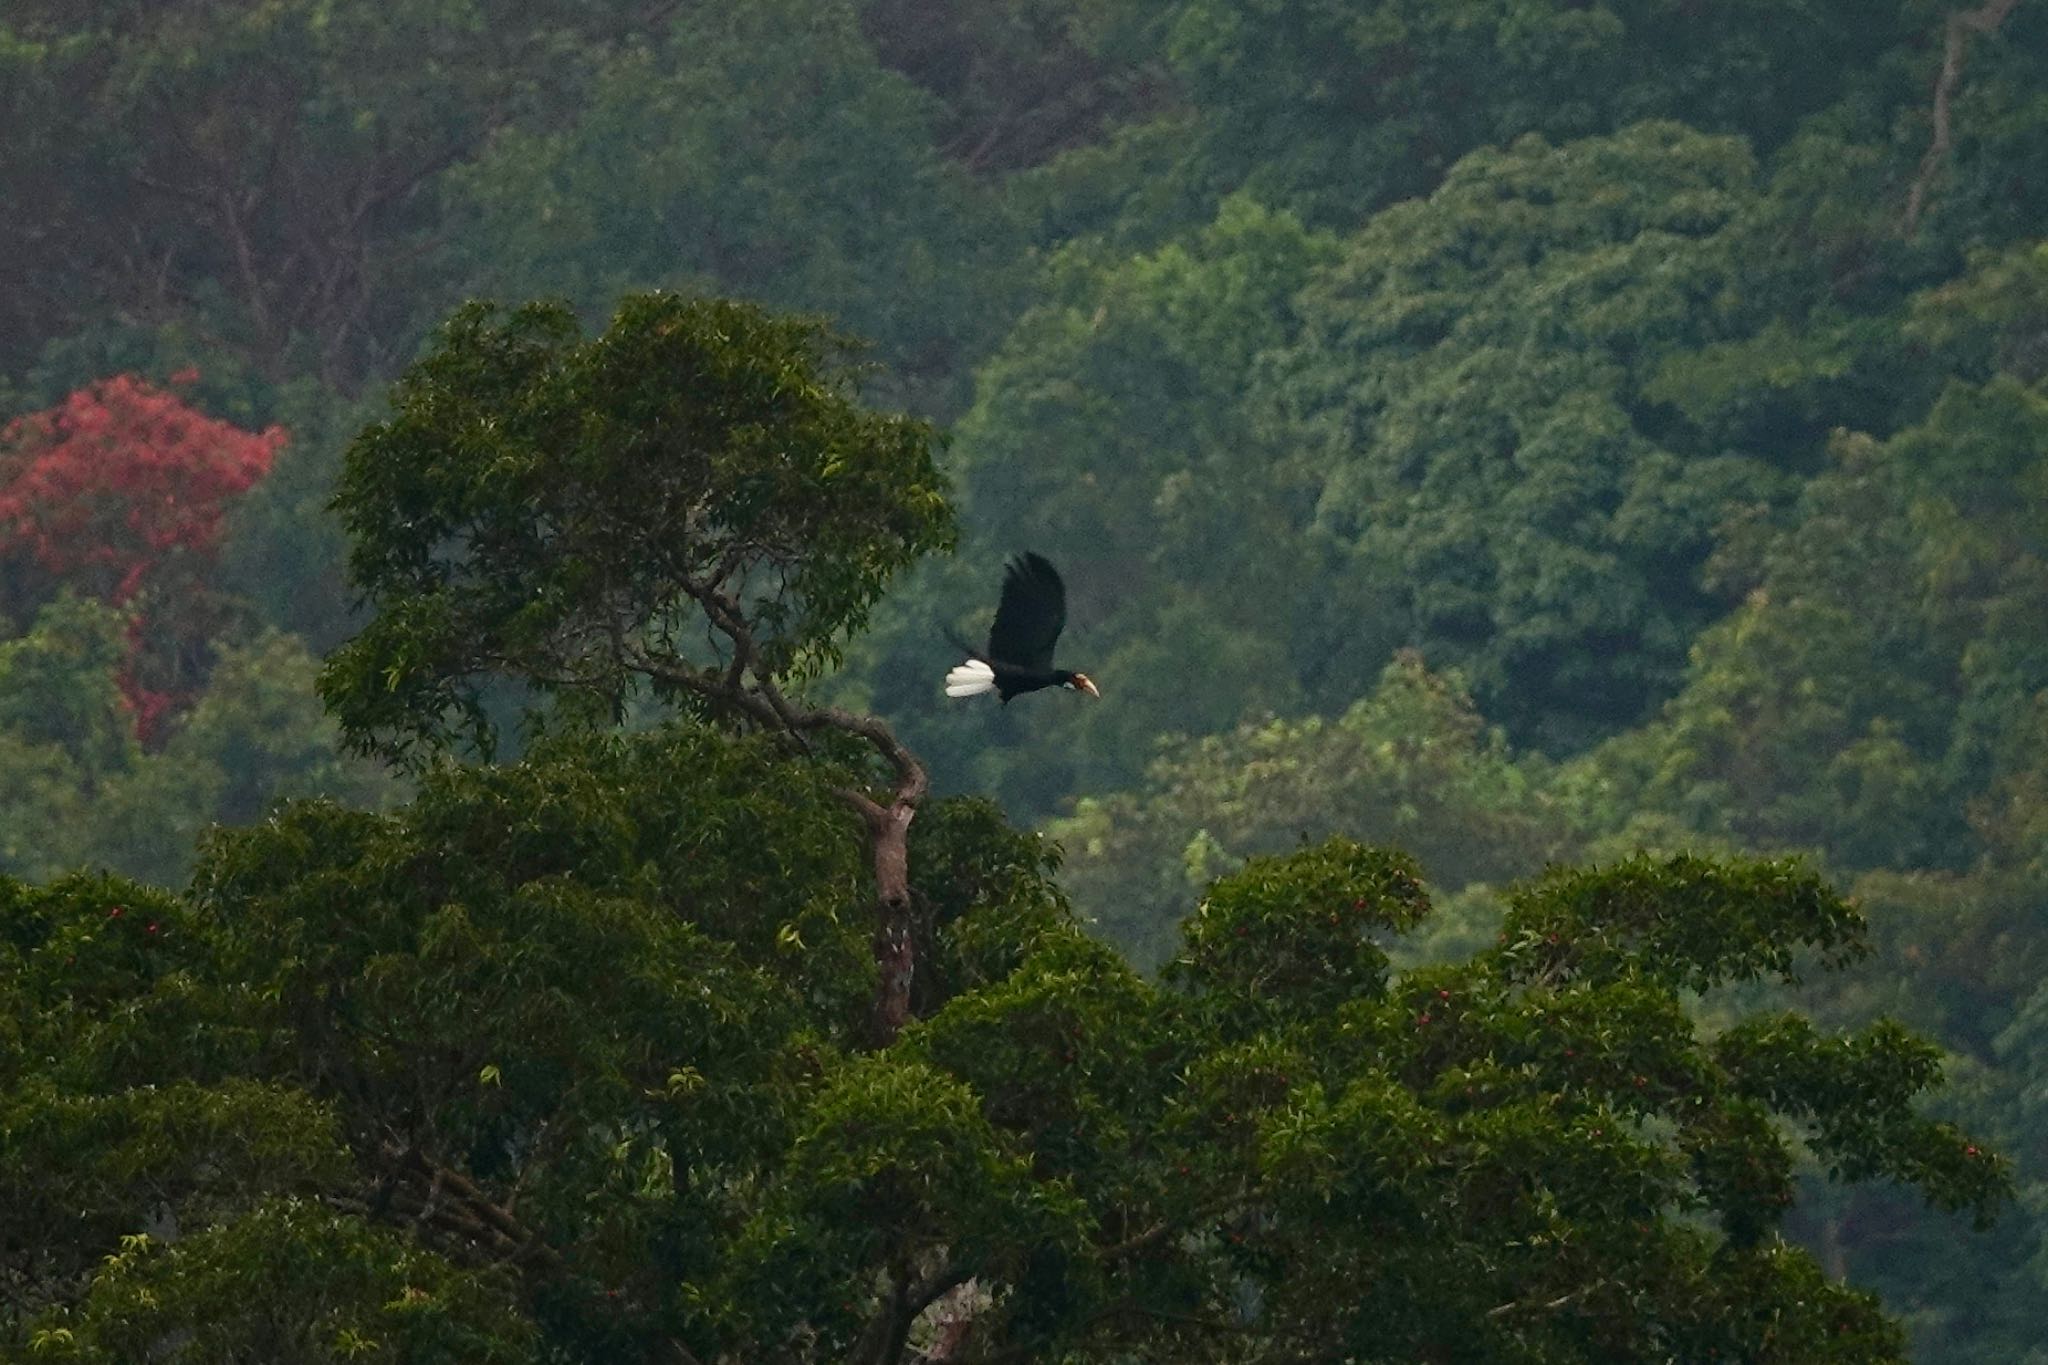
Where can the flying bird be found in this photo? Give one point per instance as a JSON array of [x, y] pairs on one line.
[[1029, 618]]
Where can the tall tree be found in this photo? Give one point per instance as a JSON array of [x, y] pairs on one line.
[[1339, 110], [692, 504], [605, 1053], [1412, 764], [1111, 433], [1020, 81]]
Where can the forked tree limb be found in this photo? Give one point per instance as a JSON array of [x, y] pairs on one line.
[[749, 687], [1986, 18]]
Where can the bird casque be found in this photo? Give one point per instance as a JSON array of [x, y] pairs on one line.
[[1029, 618]]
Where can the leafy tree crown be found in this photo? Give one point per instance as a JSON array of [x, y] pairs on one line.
[[559, 510]]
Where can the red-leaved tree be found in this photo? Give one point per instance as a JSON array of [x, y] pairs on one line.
[[119, 493]]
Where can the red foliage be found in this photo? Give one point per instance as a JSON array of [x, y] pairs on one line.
[[120, 475], [107, 490]]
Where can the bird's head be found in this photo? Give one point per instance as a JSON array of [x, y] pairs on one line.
[[1081, 682]]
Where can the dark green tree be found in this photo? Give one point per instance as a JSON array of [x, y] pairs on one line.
[[1338, 110], [1019, 81], [78, 789], [264, 178], [690, 507], [1111, 433], [568, 1059], [1876, 694], [1879, 697]]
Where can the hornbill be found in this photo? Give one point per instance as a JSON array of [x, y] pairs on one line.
[[1028, 621]]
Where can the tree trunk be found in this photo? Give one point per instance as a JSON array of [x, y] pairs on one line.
[[1961, 24], [895, 951]]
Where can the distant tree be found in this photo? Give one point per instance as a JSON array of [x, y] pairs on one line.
[[1881, 696], [756, 151], [1411, 764], [1502, 425], [1019, 82], [267, 177], [1876, 693], [77, 788], [119, 493], [1338, 113], [1112, 432], [612, 1053]]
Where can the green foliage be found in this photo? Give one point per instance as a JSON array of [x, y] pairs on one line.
[[1280, 937], [1684, 922], [1411, 765], [1877, 694], [1108, 435], [289, 1280], [539, 506], [1476, 375], [757, 151], [284, 555], [1878, 697], [264, 176], [260, 727], [564, 1058], [1342, 109], [894, 1163], [58, 687], [1333, 330], [1018, 81], [76, 789]]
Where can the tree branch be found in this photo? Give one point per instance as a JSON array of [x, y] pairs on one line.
[[748, 686], [472, 1211], [1167, 1227], [1961, 24], [1551, 1306]]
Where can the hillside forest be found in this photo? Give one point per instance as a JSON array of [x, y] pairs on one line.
[[1554, 494]]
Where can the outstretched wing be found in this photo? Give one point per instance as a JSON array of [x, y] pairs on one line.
[[1030, 616]]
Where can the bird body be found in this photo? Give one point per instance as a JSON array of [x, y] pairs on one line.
[[1029, 617]]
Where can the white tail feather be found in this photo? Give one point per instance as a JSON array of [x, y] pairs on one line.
[[970, 679]]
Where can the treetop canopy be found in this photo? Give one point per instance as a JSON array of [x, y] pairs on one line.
[[551, 507]]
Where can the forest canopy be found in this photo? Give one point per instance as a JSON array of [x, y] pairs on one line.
[[1480, 441], [609, 1052]]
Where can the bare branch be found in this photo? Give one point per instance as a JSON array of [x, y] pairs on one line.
[[1551, 1306], [747, 685]]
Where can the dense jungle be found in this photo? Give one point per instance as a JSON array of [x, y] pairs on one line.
[[1554, 495]]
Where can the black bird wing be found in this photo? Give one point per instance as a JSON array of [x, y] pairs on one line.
[[1030, 616]]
